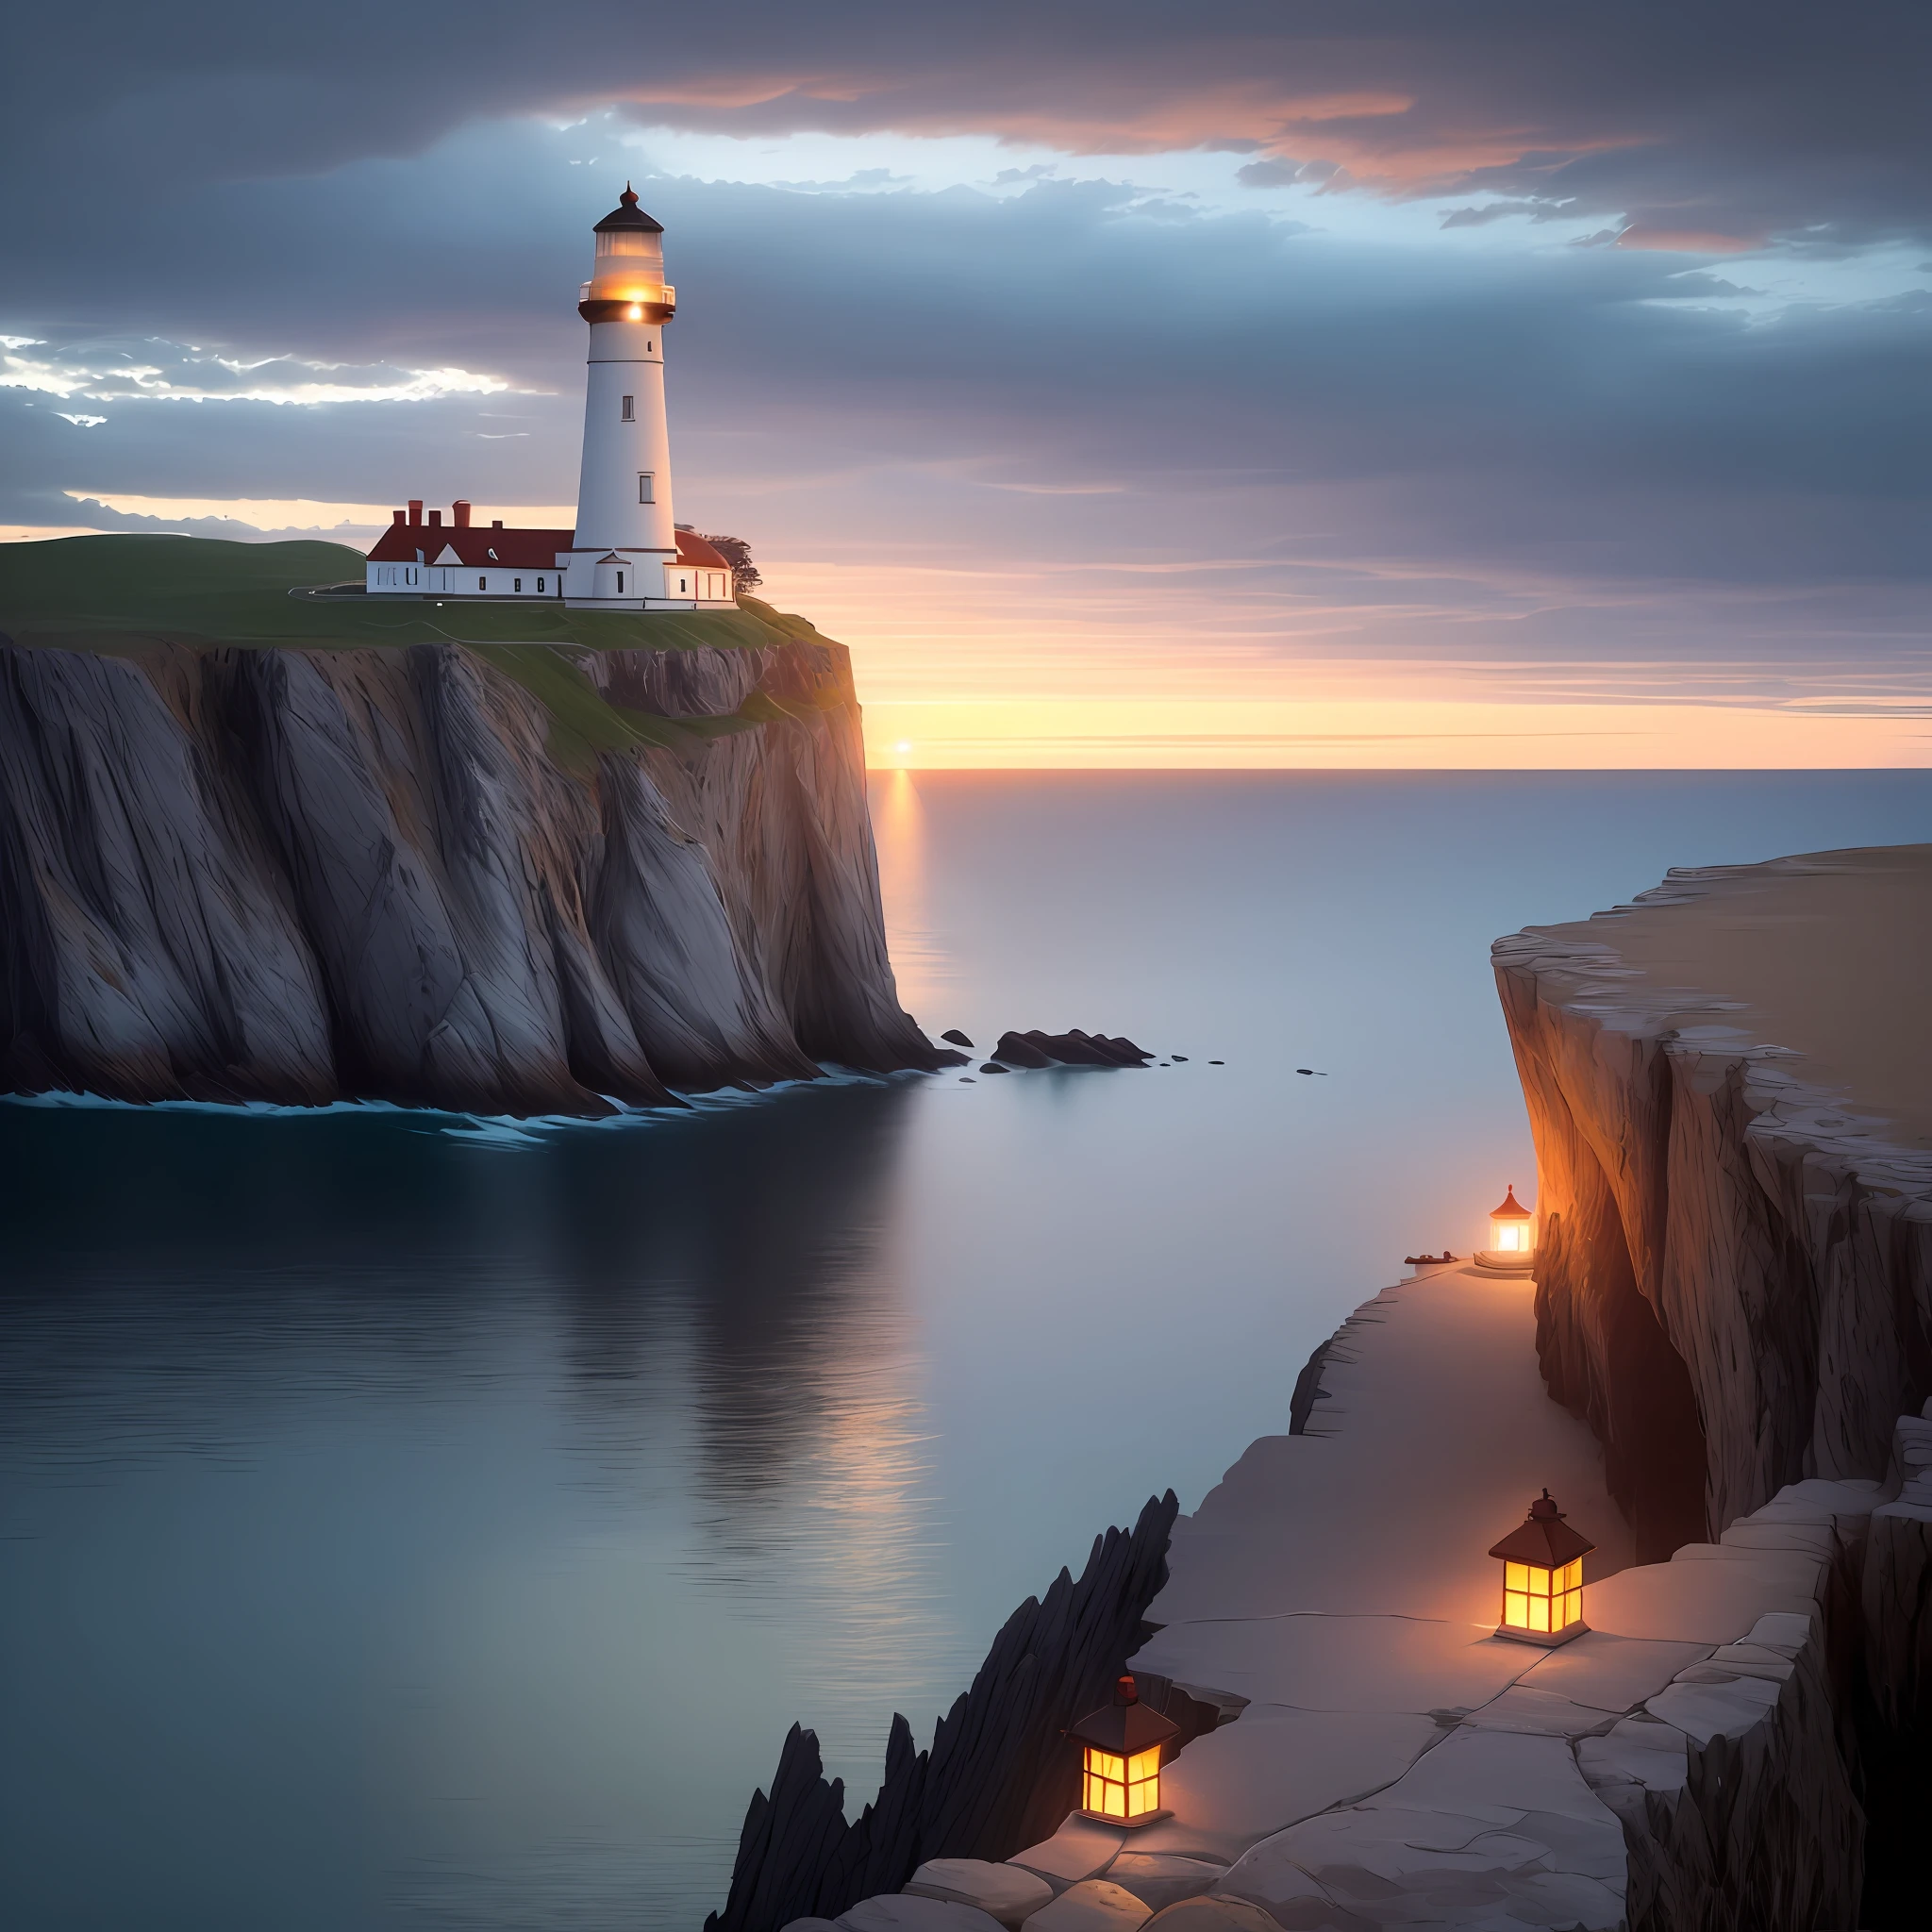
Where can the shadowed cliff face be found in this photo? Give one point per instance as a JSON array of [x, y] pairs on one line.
[[1735, 1273], [1727, 1085], [493, 879]]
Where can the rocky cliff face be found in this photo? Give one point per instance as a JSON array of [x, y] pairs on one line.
[[500, 878], [1735, 1255], [1735, 1266]]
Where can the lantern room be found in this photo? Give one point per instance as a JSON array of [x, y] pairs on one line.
[[627, 277], [1543, 1577], [1122, 1742], [1511, 1226]]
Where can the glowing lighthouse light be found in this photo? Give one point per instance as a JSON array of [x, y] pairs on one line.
[[1510, 1226], [1543, 1577], [1121, 1770]]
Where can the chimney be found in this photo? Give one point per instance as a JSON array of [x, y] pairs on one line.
[[399, 516], [436, 518], [497, 525], [415, 509], [459, 513]]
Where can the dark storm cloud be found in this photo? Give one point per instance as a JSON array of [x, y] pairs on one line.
[[1730, 117], [1585, 413]]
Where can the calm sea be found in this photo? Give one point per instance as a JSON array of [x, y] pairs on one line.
[[408, 1521]]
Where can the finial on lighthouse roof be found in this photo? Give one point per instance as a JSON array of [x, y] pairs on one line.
[[627, 214]]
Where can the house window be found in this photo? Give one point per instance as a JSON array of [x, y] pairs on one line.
[[630, 408], [520, 586], [647, 492]]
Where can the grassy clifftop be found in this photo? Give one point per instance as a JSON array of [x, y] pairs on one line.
[[120, 595], [140, 597]]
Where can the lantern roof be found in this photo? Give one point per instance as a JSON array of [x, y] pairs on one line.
[[1511, 1209], [627, 214], [1543, 1538], [1126, 1725]]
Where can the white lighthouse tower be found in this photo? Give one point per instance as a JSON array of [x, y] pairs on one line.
[[625, 553]]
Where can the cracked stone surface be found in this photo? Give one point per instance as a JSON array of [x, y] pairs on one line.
[[1401, 1765], [1094, 1905], [1007, 1892]]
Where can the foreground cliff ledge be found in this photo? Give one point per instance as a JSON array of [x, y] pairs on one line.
[[260, 845], [1730, 1086], [1391, 1761]]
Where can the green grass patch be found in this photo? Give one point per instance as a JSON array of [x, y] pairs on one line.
[[125, 593]]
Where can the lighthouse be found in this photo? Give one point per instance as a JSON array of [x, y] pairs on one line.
[[625, 536], [625, 552]]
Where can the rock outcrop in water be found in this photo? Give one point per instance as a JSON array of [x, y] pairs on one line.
[[497, 877], [1073, 1049], [1727, 1085]]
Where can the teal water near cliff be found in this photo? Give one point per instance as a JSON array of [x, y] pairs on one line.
[[404, 1523]]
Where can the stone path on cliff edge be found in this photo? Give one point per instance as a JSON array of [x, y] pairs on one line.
[[1396, 1763]]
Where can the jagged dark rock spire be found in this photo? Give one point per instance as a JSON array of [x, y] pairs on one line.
[[1000, 1775]]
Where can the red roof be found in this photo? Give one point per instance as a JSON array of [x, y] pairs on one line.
[[1511, 1209], [479, 546], [694, 549]]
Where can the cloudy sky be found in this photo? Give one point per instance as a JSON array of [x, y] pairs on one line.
[[1382, 382]]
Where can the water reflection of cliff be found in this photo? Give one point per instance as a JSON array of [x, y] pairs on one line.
[[710, 1290]]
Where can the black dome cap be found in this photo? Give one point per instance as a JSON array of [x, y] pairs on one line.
[[627, 214]]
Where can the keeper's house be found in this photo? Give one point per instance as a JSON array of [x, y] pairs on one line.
[[461, 558]]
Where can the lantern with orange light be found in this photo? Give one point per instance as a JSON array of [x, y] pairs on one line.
[[1123, 1740], [1543, 1577], [1512, 1235]]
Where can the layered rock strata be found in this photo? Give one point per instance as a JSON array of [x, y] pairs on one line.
[[503, 879], [1730, 1086]]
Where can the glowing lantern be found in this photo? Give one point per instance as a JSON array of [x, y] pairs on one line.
[[1543, 1577], [1121, 1774], [1510, 1226]]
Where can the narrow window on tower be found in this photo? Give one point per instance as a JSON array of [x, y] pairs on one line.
[[646, 492], [482, 583], [539, 587], [630, 408], [619, 583], [519, 582]]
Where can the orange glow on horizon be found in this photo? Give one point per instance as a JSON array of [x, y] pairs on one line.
[[1152, 666], [1374, 734]]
